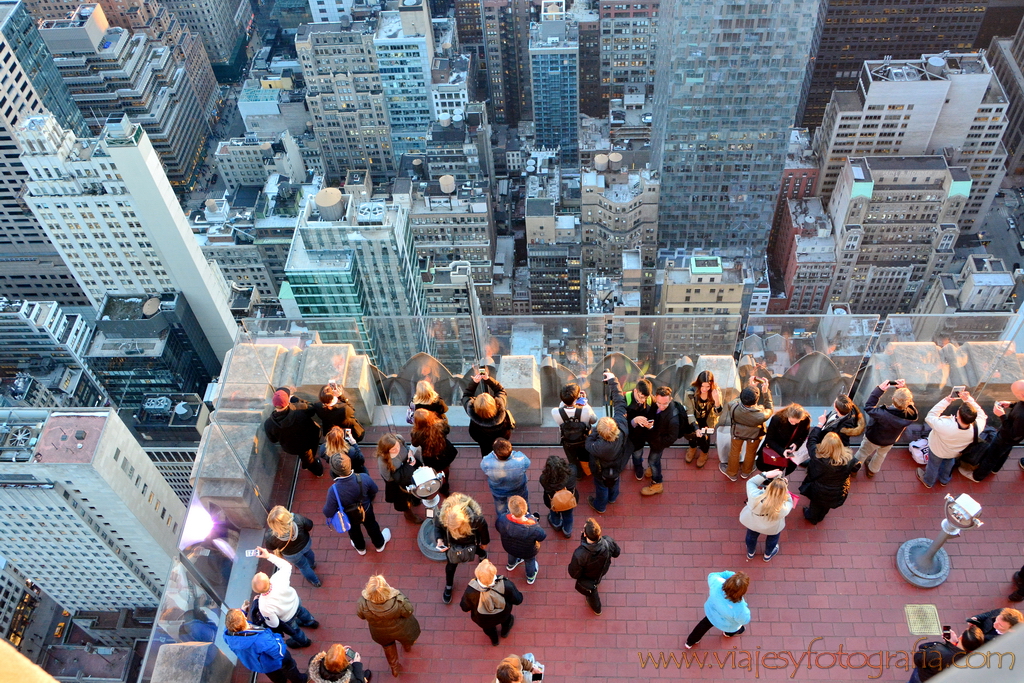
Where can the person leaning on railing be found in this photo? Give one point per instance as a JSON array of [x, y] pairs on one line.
[[887, 424], [485, 403]]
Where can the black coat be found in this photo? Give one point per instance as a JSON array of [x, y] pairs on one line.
[[294, 429], [303, 526], [437, 461], [438, 406], [1011, 427], [341, 414], [638, 435], [665, 431], [552, 486], [933, 657], [471, 598], [825, 483], [498, 426], [781, 435], [519, 540], [609, 457], [591, 561], [887, 423], [481, 532], [986, 621], [851, 424]]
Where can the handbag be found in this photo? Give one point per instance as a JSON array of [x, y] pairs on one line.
[[457, 554], [772, 458], [563, 500], [340, 521]]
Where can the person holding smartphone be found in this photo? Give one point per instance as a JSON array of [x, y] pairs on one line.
[[1010, 433], [887, 423], [950, 435], [786, 433], [489, 419], [938, 655], [338, 663]]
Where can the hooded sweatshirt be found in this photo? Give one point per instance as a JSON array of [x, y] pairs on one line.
[[259, 650], [722, 612]]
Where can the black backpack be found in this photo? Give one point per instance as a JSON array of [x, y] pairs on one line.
[[572, 430]]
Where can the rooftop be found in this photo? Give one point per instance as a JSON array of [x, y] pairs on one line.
[[70, 437]]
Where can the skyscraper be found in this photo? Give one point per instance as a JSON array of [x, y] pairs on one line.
[[853, 31], [554, 72], [106, 204], [728, 89], [30, 267], [85, 514]]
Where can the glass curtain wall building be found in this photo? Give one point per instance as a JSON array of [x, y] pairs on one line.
[[728, 89]]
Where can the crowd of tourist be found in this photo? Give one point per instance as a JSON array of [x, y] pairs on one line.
[[754, 440]]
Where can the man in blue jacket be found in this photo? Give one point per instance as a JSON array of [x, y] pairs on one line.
[[260, 650], [520, 537], [609, 449]]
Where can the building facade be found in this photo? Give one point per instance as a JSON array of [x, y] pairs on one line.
[[628, 48], [107, 205], [223, 25], [618, 212], [30, 266], [253, 159], [554, 73], [87, 508], [728, 91], [1006, 56], [895, 224], [948, 104]]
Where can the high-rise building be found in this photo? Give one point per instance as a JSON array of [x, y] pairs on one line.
[[112, 70], [728, 89], [223, 25], [253, 159], [506, 36], [985, 283], [31, 266], [352, 265], [588, 23], [895, 224], [85, 514], [40, 340], [346, 98], [16, 602], [628, 48], [1006, 55], [619, 211], [554, 72], [144, 346], [801, 258], [405, 52], [106, 204], [854, 31], [948, 104]]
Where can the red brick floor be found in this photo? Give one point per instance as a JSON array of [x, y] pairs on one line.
[[837, 581]]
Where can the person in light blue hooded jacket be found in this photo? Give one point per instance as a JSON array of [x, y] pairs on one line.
[[260, 650], [725, 608]]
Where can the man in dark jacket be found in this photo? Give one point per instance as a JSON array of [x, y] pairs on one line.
[[660, 436], [521, 536], [292, 426], [608, 447], [640, 415], [591, 561], [888, 423], [995, 623], [935, 656], [747, 415], [260, 650], [1011, 433], [349, 491]]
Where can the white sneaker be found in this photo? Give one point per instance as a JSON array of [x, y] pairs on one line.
[[361, 552], [968, 474], [386, 533]]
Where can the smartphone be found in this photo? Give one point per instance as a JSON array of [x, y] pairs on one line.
[[333, 385], [956, 391], [947, 632], [891, 382], [293, 399], [581, 401], [252, 553], [350, 653]]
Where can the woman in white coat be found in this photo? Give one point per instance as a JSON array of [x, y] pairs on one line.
[[768, 503]]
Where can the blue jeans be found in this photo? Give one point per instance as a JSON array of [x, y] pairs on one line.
[[501, 500], [653, 461], [304, 561], [302, 618], [604, 494], [531, 564], [770, 542], [938, 469], [561, 520]]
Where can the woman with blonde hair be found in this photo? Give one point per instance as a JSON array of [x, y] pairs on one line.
[[339, 664], [426, 398], [288, 537], [828, 474], [462, 532], [430, 434], [768, 503], [787, 431], [339, 443], [484, 400], [389, 614], [489, 599], [396, 464]]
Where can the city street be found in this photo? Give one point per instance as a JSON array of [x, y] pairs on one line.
[[229, 126], [1003, 237]]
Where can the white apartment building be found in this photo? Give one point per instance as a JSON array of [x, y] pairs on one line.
[[619, 211], [896, 221], [84, 513], [254, 158], [949, 104], [107, 206]]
